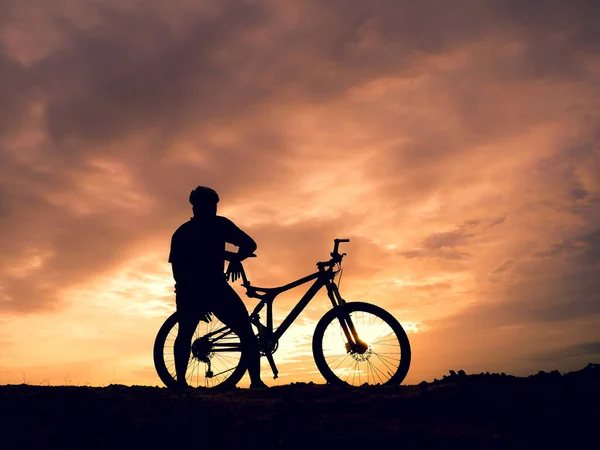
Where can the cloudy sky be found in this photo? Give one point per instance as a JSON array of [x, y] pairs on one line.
[[456, 143]]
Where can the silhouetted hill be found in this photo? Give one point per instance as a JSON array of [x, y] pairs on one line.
[[475, 411]]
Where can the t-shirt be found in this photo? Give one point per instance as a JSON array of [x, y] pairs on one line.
[[198, 251]]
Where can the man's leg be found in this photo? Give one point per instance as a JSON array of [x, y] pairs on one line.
[[230, 309], [183, 343]]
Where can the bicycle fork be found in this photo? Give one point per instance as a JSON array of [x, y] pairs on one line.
[[353, 342]]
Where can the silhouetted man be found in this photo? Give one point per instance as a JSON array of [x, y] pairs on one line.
[[197, 258]]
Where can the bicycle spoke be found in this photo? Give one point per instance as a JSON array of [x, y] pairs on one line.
[[384, 342], [221, 359], [224, 371], [381, 334], [386, 358], [190, 371], [340, 363], [387, 366], [227, 357], [378, 371], [337, 357], [370, 368], [389, 345], [392, 338]]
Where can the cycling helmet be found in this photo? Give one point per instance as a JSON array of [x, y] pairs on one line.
[[203, 195]]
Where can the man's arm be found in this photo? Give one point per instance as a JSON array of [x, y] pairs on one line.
[[240, 255], [246, 245], [178, 272], [173, 256]]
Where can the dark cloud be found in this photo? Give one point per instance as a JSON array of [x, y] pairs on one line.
[[575, 306], [133, 72], [445, 244], [449, 239], [449, 254], [585, 352], [586, 247], [435, 288], [504, 266], [544, 298], [14, 94], [497, 221], [591, 241], [546, 36], [586, 348]]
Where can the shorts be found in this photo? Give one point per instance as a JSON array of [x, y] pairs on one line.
[[221, 300]]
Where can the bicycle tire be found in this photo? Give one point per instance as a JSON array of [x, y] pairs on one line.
[[329, 345], [164, 360]]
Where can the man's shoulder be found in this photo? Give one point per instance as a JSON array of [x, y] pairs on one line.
[[222, 220], [183, 228], [191, 226]]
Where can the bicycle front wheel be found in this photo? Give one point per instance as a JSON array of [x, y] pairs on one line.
[[381, 357], [216, 358]]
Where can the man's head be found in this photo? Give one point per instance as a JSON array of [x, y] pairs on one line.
[[204, 202]]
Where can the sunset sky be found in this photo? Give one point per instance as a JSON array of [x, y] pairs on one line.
[[456, 143]]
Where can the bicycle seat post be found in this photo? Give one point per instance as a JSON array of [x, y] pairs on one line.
[[270, 315]]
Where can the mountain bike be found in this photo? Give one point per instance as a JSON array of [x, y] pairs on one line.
[[354, 343]]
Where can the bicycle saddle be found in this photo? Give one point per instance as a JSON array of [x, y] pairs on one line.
[[255, 291]]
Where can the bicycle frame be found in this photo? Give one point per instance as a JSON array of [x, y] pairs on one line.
[[322, 278], [267, 336]]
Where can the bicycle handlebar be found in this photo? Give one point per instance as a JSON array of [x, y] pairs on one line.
[[336, 257], [336, 244]]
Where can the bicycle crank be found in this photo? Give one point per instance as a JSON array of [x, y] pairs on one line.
[[272, 364]]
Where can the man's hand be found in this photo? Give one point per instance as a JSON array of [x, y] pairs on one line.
[[234, 271]]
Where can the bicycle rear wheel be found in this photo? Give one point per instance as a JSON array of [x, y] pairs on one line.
[[216, 359], [384, 358]]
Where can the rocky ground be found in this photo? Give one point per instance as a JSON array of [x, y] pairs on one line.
[[481, 411]]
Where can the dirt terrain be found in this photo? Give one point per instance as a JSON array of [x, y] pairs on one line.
[[482, 411]]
